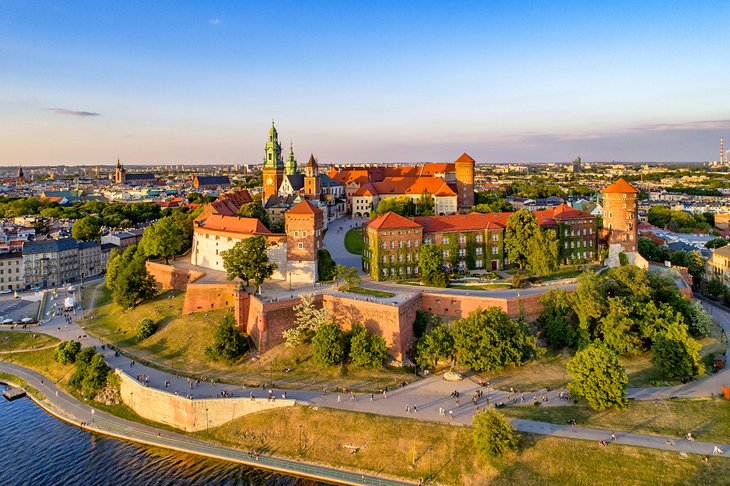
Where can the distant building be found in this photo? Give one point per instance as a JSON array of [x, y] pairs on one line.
[[50, 263], [719, 265], [137, 178], [90, 264], [122, 239], [11, 271], [211, 182]]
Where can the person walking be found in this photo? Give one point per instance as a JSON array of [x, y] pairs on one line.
[[339, 399]]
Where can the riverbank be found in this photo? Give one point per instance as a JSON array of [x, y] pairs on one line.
[[391, 445], [68, 409]]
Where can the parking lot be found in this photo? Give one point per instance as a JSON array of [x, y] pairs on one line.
[[18, 309]]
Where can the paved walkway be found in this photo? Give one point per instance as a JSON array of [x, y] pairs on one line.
[[334, 242], [77, 413]]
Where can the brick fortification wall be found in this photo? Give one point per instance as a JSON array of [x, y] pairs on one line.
[[458, 306], [189, 415], [206, 297], [170, 277]]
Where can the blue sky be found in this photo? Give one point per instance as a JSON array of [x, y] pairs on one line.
[[199, 82]]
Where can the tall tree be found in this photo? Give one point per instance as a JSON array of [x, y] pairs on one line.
[[558, 320], [164, 239], [347, 277], [522, 227], [437, 345], [308, 318], [598, 377], [431, 267], [425, 204], [328, 346], [493, 434], [366, 350], [543, 252], [248, 260], [695, 266], [127, 278], [675, 354], [489, 340], [86, 229]]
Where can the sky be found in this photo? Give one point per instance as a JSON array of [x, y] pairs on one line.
[[362, 82]]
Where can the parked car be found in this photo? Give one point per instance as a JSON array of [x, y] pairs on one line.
[[5, 292]]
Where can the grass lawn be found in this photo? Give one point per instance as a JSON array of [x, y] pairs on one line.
[[180, 343], [547, 372], [413, 449], [41, 361], [366, 291], [708, 419], [25, 341], [353, 241]]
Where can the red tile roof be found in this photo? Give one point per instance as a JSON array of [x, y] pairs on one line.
[[465, 158], [365, 190], [305, 207], [391, 220], [234, 224], [229, 204], [413, 185], [463, 222], [561, 212], [620, 187]]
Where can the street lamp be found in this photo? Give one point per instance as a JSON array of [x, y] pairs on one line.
[[206, 421]]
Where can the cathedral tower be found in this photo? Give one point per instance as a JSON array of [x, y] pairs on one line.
[[290, 166], [273, 171], [312, 187]]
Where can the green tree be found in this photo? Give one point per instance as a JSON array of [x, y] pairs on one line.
[[254, 210], [590, 304], [66, 352], [618, 329], [716, 243], [127, 278], [308, 318], [326, 267], [90, 373], [660, 216], [437, 345], [86, 229], [145, 328], [248, 260], [347, 276], [678, 258], [425, 204], [164, 239], [366, 351], [522, 228], [675, 354], [543, 252], [695, 266], [228, 343], [558, 320], [715, 287], [430, 265], [328, 347], [598, 377], [489, 340], [493, 434], [699, 322]]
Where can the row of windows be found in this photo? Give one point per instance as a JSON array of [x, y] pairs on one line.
[[462, 252], [577, 244], [577, 232], [400, 258], [384, 245], [400, 232], [400, 271]]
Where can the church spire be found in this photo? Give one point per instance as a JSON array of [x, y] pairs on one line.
[[290, 166], [273, 159]]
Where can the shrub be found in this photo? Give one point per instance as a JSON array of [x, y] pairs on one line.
[[326, 265], [328, 347], [90, 375], [145, 329], [228, 344], [366, 350]]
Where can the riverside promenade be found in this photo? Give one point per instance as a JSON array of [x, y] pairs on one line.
[[74, 412]]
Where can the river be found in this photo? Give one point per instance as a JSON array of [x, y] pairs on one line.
[[36, 448]]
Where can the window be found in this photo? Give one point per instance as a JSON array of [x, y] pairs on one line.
[[479, 238], [445, 253], [479, 250], [444, 240], [300, 246], [495, 236], [392, 245], [400, 244], [462, 252], [495, 250], [385, 259], [462, 239], [400, 258], [392, 258], [296, 234], [384, 245], [479, 264]]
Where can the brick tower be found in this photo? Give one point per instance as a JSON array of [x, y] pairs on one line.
[[312, 188], [464, 166], [273, 170], [304, 226], [620, 209]]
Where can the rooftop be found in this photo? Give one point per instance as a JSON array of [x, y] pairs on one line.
[[391, 220]]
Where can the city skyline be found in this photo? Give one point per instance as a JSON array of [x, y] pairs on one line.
[[183, 84]]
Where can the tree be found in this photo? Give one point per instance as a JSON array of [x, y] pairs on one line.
[[489, 340], [618, 329], [543, 252], [308, 318], [326, 267], [425, 204], [86, 229], [493, 434], [127, 278], [675, 354], [437, 345], [164, 239], [695, 266], [328, 347], [716, 243], [493, 204], [678, 258], [228, 344], [90, 373], [366, 351], [248, 260], [145, 328], [715, 287], [699, 322], [66, 352], [430, 264], [522, 227], [598, 377], [347, 276], [660, 216], [558, 320], [254, 210]]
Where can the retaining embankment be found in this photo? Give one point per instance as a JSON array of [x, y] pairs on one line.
[[187, 414]]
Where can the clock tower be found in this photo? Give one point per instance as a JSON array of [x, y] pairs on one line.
[[273, 170]]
